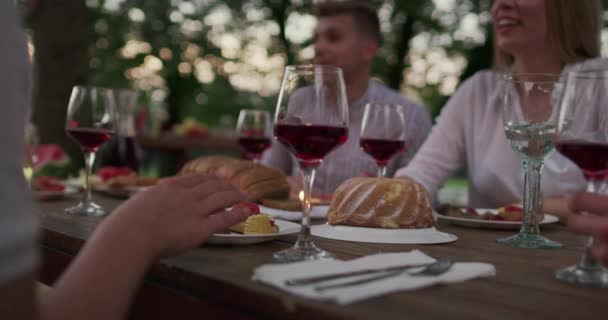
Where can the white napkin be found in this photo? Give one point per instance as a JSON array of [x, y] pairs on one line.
[[317, 212], [276, 275]]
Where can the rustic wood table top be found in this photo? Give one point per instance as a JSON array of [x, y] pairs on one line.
[[524, 287]]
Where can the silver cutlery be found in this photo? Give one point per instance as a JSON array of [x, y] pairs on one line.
[[432, 269], [340, 275]]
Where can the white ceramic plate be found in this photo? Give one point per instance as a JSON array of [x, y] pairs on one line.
[[285, 228], [52, 195], [379, 235], [317, 212], [118, 192], [492, 224]]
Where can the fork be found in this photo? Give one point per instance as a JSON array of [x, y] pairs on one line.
[[434, 269]]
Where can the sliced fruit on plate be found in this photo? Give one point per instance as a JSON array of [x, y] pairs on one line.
[[50, 160], [109, 172]]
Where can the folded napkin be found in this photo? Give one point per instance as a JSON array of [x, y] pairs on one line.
[[276, 275], [317, 212]]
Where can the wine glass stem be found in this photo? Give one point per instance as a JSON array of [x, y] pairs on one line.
[[381, 171], [532, 196], [89, 160], [587, 261], [308, 176]]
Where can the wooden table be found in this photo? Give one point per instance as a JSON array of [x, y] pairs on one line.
[[214, 281]]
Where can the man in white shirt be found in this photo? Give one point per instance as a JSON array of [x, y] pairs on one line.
[[348, 36]]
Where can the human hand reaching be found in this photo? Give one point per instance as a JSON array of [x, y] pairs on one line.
[[594, 225], [177, 214]]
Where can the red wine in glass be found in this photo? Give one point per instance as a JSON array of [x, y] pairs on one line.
[[121, 151], [591, 157], [382, 149], [310, 143], [90, 139], [254, 146]]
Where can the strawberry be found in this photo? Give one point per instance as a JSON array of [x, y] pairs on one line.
[[253, 207]]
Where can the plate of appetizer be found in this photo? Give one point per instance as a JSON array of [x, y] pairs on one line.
[[508, 217], [50, 188]]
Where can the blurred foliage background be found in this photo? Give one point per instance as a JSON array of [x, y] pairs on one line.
[[208, 59]]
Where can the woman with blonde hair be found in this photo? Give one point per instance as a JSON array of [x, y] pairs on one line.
[[531, 36]]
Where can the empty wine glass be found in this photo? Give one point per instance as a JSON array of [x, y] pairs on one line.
[[254, 130], [530, 116], [382, 133], [582, 136], [90, 121], [311, 121]]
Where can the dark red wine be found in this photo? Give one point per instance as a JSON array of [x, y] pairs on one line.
[[90, 139], [254, 146], [382, 149], [119, 152], [591, 157], [310, 143]]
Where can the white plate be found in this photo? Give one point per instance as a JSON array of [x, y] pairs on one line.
[[51, 195], [379, 235], [317, 212], [285, 228], [492, 224], [119, 192]]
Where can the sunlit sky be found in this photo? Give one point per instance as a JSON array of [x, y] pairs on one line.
[[250, 67]]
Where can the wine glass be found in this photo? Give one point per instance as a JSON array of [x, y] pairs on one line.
[[382, 133], [122, 150], [90, 121], [254, 130], [30, 156], [582, 136], [530, 116], [310, 121]]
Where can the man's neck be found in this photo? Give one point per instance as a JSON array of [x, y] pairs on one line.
[[356, 86]]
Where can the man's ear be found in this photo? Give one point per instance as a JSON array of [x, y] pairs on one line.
[[369, 49]]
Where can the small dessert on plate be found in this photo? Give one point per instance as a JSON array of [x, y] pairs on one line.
[[258, 223]]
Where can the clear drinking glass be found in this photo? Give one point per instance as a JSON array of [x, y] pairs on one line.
[[582, 136], [254, 130], [311, 120], [382, 133], [90, 121], [530, 116]]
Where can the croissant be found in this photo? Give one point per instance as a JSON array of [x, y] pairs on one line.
[[381, 203], [256, 180]]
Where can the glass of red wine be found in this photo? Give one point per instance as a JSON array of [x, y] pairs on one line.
[[582, 136], [90, 121], [122, 150], [310, 121], [382, 133], [254, 130]]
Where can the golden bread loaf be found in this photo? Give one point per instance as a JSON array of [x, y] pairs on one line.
[[381, 203], [257, 181]]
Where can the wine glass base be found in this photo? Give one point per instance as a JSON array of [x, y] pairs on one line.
[[86, 209], [529, 241], [300, 253], [592, 277]]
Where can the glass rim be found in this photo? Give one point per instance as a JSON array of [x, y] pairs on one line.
[[90, 87], [311, 67]]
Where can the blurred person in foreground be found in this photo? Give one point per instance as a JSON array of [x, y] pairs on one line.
[[531, 36], [178, 214], [348, 36], [595, 225]]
